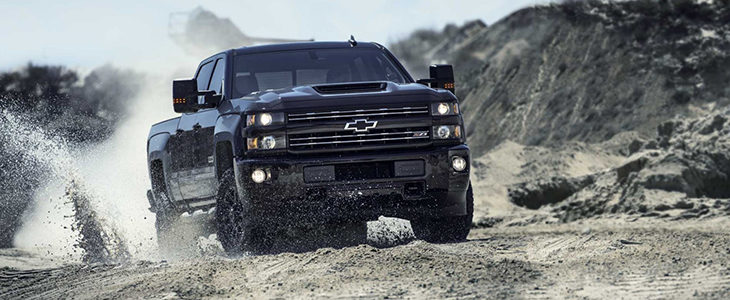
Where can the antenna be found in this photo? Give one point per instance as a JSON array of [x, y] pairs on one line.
[[352, 41]]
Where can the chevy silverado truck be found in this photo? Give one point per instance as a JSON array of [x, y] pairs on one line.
[[327, 133]]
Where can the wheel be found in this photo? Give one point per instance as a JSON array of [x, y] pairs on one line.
[[235, 232], [448, 229], [165, 219]]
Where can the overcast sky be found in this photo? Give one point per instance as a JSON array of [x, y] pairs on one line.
[[85, 34]]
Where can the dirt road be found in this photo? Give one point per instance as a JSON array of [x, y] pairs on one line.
[[605, 258]]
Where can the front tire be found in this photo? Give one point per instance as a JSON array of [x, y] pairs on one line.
[[165, 219], [446, 229], [235, 231]]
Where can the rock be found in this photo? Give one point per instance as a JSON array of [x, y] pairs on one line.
[[547, 191], [631, 166], [716, 125], [635, 146], [683, 205], [693, 166], [662, 207], [665, 129], [486, 222], [629, 242], [521, 79]]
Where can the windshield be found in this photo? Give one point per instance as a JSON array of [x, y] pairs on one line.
[[278, 70]]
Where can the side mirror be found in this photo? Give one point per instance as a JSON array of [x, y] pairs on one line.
[[185, 96], [442, 77]]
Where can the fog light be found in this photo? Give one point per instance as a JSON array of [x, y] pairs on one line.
[[268, 142], [258, 176], [443, 132], [458, 163]]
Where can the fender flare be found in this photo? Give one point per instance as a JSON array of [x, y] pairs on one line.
[[157, 147], [227, 134], [157, 151]]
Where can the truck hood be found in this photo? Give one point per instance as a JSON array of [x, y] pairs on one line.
[[340, 95]]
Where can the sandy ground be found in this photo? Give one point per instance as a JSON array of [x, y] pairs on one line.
[[511, 163], [598, 258], [524, 254]]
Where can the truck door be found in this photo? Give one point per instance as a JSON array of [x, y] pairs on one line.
[[207, 184], [183, 145]]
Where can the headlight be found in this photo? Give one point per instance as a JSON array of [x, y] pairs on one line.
[[268, 142], [445, 109], [442, 109], [265, 119], [443, 132]]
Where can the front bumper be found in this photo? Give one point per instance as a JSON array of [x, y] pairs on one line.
[[290, 196]]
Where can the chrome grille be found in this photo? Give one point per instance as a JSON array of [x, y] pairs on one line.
[[328, 130], [346, 139], [358, 113]]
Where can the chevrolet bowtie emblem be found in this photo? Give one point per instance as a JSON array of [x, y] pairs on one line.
[[361, 125]]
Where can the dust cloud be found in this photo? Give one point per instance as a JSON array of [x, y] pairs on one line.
[[92, 206]]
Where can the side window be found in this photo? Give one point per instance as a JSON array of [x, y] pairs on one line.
[[216, 81], [203, 77]]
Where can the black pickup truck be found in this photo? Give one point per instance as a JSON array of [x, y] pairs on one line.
[[323, 133]]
